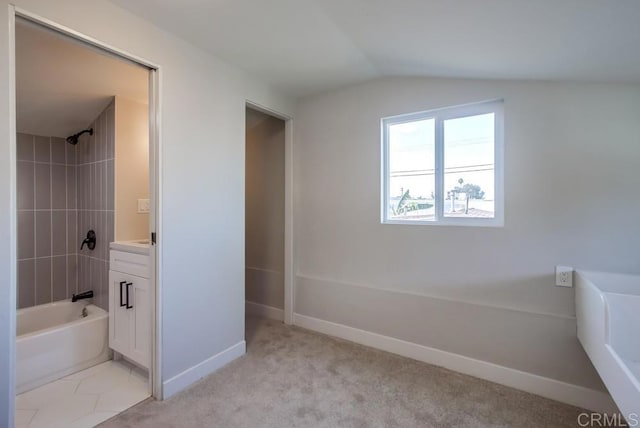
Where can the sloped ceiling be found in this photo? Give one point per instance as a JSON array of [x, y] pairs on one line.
[[308, 46]]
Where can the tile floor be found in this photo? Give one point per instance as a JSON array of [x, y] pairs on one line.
[[83, 399]]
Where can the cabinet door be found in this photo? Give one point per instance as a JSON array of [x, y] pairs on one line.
[[119, 330], [140, 321]]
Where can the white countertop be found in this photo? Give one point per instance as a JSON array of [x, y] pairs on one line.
[[138, 246]]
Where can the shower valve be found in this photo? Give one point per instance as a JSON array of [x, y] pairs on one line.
[[90, 240]]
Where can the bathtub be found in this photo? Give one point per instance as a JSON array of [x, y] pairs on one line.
[[608, 317], [55, 340]]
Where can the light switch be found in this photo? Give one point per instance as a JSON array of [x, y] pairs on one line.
[[143, 206]]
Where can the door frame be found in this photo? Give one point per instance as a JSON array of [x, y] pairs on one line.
[[155, 180], [289, 255]]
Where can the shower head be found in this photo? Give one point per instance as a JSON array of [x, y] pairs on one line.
[[73, 139]]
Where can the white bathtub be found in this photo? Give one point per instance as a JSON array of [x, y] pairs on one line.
[[55, 340], [608, 315]]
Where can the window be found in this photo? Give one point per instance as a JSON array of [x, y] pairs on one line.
[[444, 166]]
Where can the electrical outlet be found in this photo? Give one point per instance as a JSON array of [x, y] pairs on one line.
[[143, 206], [564, 276]]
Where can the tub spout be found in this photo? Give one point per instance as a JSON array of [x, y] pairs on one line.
[[83, 295]]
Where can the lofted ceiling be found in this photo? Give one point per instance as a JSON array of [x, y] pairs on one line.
[[63, 85], [308, 46]]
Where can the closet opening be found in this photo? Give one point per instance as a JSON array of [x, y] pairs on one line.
[[264, 219]]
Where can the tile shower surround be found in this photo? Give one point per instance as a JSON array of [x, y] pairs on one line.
[[46, 198], [89, 204], [95, 163]]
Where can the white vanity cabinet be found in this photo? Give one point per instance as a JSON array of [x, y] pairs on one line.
[[130, 303]]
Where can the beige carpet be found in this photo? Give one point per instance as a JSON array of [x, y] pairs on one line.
[[292, 377]]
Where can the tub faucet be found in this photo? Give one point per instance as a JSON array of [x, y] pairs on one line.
[[83, 295]]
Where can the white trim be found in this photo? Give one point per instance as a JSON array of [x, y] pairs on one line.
[[183, 380], [450, 221], [155, 225], [8, 419], [289, 254], [264, 311], [439, 116], [549, 388]]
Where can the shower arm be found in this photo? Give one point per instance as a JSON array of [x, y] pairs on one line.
[[73, 139]]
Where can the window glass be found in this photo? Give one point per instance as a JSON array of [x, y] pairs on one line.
[[469, 176], [412, 170]]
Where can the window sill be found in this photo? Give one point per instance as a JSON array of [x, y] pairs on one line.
[[471, 222]]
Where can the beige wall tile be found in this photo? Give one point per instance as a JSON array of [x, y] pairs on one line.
[[43, 233], [26, 230], [42, 149], [58, 150], [59, 233], [59, 278], [25, 185], [26, 283], [58, 187], [43, 280], [24, 149], [43, 186]]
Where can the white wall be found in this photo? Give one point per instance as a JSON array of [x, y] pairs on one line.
[[572, 152], [203, 129], [264, 217]]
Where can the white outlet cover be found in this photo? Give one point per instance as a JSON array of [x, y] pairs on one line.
[[143, 205], [564, 276]]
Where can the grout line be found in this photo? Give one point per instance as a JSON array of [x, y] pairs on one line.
[[35, 240], [39, 258], [51, 218], [66, 224], [95, 404], [33, 416], [40, 162], [90, 198], [75, 208], [56, 209], [90, 163]]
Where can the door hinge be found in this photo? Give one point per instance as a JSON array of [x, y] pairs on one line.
[[153, 238]]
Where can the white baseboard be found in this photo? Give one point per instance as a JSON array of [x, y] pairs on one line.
[[264, 311], [200, 370], [549, 388]]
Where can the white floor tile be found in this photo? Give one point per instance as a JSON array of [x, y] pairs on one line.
[[63, 412], [90, 371], [114, 376], [23, 417], [46, 394], [122, 398], [83, 399], [139, 377], [92, 419]]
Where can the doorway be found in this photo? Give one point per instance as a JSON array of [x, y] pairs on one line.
[[86, 186], [265, 178]]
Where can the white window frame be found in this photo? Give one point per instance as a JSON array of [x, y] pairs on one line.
[[440, 115]]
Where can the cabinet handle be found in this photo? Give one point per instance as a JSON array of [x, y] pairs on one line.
[[121, 284], [128, 284]]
